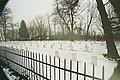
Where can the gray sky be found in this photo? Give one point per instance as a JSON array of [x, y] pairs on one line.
[[29, 9]]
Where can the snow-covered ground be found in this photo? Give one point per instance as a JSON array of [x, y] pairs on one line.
[[82, 51], [9, 74]]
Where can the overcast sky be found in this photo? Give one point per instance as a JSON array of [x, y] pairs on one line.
[[29, 9]]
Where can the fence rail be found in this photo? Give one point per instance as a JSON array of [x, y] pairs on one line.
[[37, 66]]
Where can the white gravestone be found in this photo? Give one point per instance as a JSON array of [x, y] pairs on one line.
[[52, 46], [94, 60], [37, 44], [71, 46], [44, 45], [61, 46], [56, 54], [86, 47], [74, 56]]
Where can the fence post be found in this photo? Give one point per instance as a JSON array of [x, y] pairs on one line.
[[85, 71], [39, 68], [50, 67], [70, 69], [54, 70], [36, 67], [64, 68], [31, 66], [42, 66], [103, 73], [22, 62], [93, 72], [29, 63], [77, 69], [19, 59], [59, 68], [46, 66]]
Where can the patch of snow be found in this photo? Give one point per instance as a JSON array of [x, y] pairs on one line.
[[82, 51], [9, 74]]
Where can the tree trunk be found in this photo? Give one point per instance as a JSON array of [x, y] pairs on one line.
[[72, 24], [88, 27], [4, 30], [111, 48]]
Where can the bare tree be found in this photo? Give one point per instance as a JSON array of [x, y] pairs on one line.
[[78, 27], [59, 25], [91, 15], [13, 30], [39, 28], [49, 26], [99, 25], [67, 11], [5, 20]]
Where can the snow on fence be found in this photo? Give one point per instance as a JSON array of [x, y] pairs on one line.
[[36, 66]]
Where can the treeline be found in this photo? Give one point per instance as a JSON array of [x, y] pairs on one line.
[[79, 21]]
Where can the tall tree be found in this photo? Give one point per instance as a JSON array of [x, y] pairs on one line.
[[111, 48], [49, 27], [5, 21], [67, 11], [39, 28], [13, 26], [23, 32], [90, 17]]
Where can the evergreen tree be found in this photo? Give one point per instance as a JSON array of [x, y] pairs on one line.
[[23, 32]]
